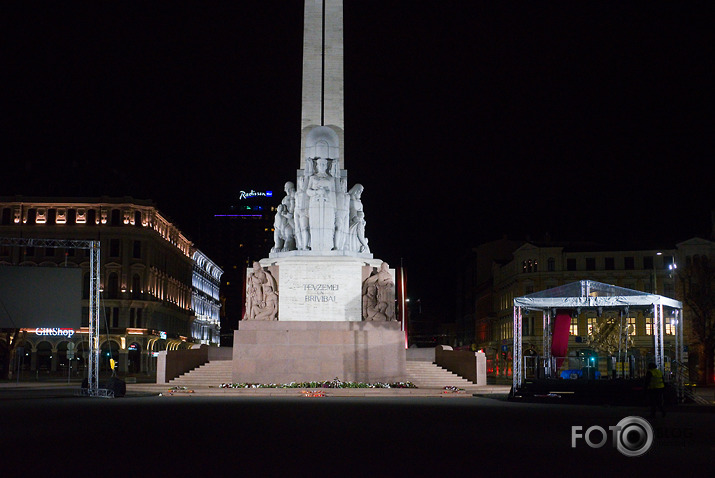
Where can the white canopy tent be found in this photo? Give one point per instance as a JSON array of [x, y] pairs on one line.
[[588, 294]]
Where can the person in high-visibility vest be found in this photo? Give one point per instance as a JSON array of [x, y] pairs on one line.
[[654, 388]]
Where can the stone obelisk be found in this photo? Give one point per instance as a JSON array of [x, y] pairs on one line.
[[320, 306], [323, 70]]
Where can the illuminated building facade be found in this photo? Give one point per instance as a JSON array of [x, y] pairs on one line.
[[499, 271], [158, 292]]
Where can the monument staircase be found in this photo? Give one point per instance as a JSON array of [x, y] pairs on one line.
[[210, 374], [430, 375], [422, 374]]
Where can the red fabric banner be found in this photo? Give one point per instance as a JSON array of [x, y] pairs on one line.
[[560, 337]]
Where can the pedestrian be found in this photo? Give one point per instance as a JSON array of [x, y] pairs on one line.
[[655, 387]]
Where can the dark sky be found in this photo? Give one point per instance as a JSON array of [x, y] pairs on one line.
[[465, 120]]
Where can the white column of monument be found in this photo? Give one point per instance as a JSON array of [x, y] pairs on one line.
[[323, 69]]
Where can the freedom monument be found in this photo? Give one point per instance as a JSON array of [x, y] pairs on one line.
[[320, 306]]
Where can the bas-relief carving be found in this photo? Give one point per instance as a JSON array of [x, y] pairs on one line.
[[261, 296], [378, 296]]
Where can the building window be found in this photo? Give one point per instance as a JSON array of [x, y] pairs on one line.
[[592, 321], [115, 317], [629, 263], [31, 215], [648, 262], [91, 217], [573, 329], [551, 264], [669, 326], [136, 287], [6, 216], [137, 250], [112, 291], [610, 263], [590, 264], [571, 264], [631, 321], [649, 325], [114, 248], [116, 218]]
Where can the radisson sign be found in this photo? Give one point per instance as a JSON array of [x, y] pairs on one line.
[[252, 194]]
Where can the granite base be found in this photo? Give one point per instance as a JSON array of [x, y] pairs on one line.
[[301, 351]]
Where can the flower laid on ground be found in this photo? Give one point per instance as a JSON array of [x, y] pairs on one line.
[[452, 388], [335, 383], [180, 389]]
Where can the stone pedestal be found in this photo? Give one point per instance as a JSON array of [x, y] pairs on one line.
[[299, 351], [326, 288]]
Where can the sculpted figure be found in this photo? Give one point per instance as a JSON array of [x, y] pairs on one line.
[[358, 241], [257, 285], [302, 231], [269, 309], [283, 236], [371, 308], [321, 211], [379, 295], [342, 216], [284, 223]]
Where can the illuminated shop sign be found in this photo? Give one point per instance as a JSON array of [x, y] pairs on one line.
[[55, 332], [162, 335], [252, 194]]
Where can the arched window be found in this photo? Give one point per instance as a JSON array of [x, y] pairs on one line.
[[136, 287], [112, 289]]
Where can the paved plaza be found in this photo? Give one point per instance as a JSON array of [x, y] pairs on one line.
[[48, 429]]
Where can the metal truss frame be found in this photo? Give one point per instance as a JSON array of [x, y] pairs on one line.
[[94, 265]]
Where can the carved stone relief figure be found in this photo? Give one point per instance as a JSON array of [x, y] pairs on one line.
[[258, 284], [379, 296], [269, 309]]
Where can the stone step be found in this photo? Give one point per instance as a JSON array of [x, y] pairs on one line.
[[430, 375], [212, 373]]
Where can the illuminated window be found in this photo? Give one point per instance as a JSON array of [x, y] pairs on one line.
[[669, 326], [573, 329], [649, 325], [591, 322], [631, 321]]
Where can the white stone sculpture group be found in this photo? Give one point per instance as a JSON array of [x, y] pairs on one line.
[[321, 214], [261, 295]]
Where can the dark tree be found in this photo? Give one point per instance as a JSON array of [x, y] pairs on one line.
[[697, 281]]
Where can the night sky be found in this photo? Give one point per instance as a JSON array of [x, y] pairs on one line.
[[465, 120]]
